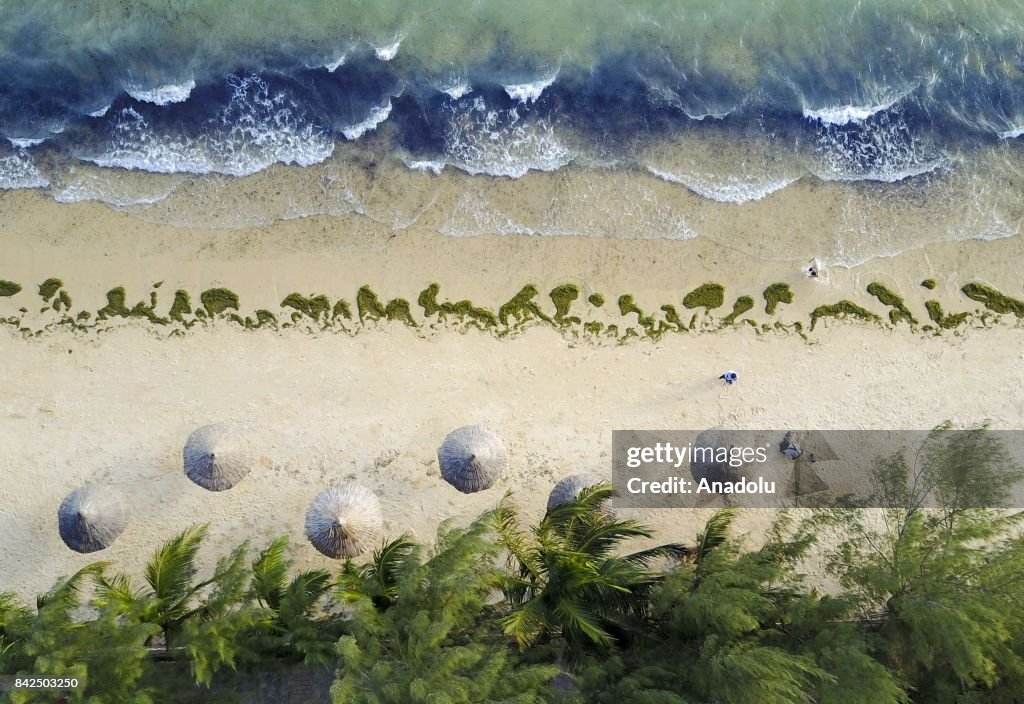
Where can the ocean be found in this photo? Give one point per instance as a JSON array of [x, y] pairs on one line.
[[903, 119]]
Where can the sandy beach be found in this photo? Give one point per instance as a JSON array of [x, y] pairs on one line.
[[373, 402]]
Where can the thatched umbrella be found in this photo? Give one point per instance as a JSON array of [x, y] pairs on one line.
[[569, 488], [343, 520], [217, 457], [91, 517], [472, 458], [708, 449]]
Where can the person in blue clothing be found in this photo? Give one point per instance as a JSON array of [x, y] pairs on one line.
[[730, 377]]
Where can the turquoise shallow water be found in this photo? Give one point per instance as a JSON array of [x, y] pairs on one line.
[[732, 101]]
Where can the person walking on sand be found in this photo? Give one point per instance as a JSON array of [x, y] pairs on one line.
[[730, 377]]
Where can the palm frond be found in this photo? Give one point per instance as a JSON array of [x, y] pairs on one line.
[[65, 594], [270, 573], [716, 532], [170, 571], [669, 551]]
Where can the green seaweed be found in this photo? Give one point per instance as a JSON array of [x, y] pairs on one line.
[[993, 299], [593, 327], [464, 310], [842, 309], [774, 295], [398, 309], [741, 306], [369, 305], [899, 312], [522, 307], [141, 310], [341, 310], [928, 284], [939, 317], [627, 306], [314, 306], [563, 297], [181, 307], [115, 305], [218, 300], [672, 317], [9, 288], [596, 300], [707, 296], [65, 300], [49, 288]]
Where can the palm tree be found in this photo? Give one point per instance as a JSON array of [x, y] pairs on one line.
[[564, 578], [169, 597], [294, 626], [378, 579]]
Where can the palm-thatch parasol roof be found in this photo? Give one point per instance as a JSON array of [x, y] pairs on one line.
[[569, 488], [217, 457], [343, 520], [706, 453], [91, 517], [472, 458]]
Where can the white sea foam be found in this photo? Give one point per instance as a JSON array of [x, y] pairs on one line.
[[26, 142], [118, 192], [529, 92], [377, 115], [456, 88], [162, 95], [845, 114], [1012, 134], [480, 140], [17, 170], [727, 188], [434, 167], [256, 129], [336, 64], [389, 51], [101, 112]]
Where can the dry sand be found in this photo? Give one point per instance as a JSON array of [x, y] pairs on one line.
[[375, 406]]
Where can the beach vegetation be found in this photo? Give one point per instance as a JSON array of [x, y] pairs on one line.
[[842, 310], [596, 300], [928, 284], [522, 308], [9, 288], [993, 299], [218, 300], [741, 306], [900, 312], [181, 306], [48, 289], [924, 607], [939, 317], [707, 296], [563, 297], [774, 295], [313, 306]]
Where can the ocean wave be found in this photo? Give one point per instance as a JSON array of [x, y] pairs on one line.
[[114, 191], [26, 142], [529, 92], [727, 188], [256, 129], [377, 115], [101, 112], [162, 95], [483, 140], [18, 170], [1012, 134], [455, 88], [435, 166], [846, 114], [388, 51], [333, 66]]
